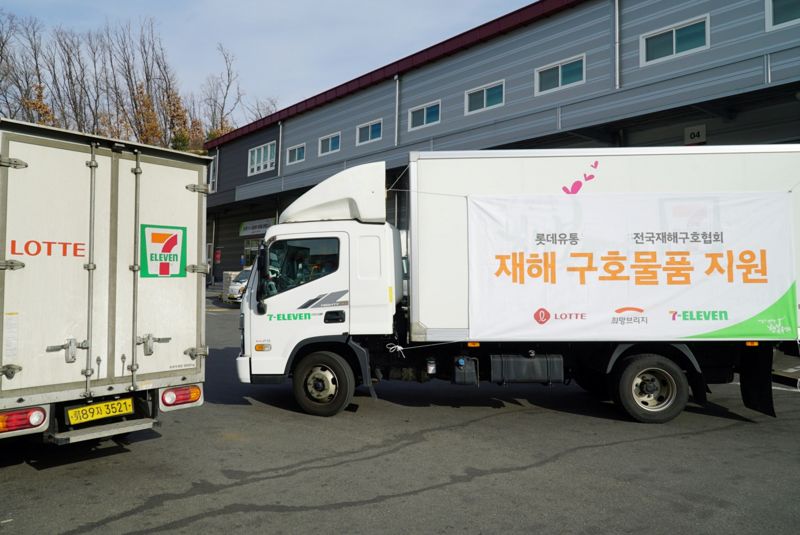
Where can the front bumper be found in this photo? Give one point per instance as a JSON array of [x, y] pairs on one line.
[[243, 368]]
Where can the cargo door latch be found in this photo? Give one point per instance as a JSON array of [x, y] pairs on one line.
[[70, 348], [149, 341]]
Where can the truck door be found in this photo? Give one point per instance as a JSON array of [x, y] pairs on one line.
[[159, 293], [53, 324], [308, 297]]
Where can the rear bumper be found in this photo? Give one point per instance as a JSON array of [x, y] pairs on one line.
[[102, 431]]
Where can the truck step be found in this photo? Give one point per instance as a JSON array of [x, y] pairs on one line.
[[93, 433], [785, 378]]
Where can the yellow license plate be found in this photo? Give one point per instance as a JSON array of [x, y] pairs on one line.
[[98, 411]]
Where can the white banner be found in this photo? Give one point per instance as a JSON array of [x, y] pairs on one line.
[[631, 267]]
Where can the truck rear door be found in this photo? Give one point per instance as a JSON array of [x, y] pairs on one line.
[[45, 212], [159, 294]]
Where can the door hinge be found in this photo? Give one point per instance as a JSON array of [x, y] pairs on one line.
[[194, 352], [197, 268], [13, 163], [70, 348], [11, 265], [197, 188], [149, 342], [10, 370]]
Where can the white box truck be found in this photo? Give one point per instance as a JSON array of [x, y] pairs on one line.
[[643, 274], [101, 287]]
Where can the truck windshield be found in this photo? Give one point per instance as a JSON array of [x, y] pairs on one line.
[[296, 262]]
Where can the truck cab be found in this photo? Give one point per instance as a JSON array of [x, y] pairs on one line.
[[328, 271]]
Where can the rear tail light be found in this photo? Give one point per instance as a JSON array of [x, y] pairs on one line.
[[181, 395], [21, 419]]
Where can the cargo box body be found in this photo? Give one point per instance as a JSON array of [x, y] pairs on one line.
[[601, 201], [102, 287]]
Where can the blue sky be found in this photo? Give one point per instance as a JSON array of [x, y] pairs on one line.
[[289, 49]]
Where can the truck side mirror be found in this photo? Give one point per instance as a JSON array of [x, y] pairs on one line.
[[262, 267]]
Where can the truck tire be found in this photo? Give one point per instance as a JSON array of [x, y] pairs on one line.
[[323, 383], [651, 388]]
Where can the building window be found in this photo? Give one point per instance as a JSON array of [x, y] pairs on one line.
[[684, 38], [329, 143], [369, 132], [559, 75], [425, 115], [782, 13], [261, 158], [212, 174], [485, 97], [295, 154]]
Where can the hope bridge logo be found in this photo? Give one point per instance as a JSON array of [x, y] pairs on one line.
[[163, 251]]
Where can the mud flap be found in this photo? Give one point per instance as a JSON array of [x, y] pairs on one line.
[[362, 354], [755, 379]]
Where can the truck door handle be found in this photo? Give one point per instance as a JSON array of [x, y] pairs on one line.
[[334, 316]]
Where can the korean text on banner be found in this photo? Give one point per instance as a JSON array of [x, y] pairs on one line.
[[632, 267]]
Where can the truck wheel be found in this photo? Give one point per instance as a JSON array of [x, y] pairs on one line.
[[652, 388], [323, 383]]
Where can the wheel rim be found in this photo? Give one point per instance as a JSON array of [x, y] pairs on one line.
[[321, 384], [654, 389]]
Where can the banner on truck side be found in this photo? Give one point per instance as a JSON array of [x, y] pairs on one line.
[[632, 267]]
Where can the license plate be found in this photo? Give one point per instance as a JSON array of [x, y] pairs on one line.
[[98, 411]]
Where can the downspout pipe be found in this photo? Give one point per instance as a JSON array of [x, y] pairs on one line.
[[617, 68], [280, 152], [396, 109]]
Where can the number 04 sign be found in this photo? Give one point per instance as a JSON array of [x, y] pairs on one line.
[[694, 135]]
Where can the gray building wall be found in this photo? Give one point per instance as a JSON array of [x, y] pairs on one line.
[[232, 164]]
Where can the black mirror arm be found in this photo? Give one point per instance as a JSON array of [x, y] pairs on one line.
[[263, 272]]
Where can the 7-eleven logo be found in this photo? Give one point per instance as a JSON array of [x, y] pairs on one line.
[[163, 251]]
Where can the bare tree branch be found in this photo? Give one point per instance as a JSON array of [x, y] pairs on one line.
[[116, 81]]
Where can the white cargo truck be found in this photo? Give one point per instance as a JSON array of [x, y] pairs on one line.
[[643, 274], [101, 283]]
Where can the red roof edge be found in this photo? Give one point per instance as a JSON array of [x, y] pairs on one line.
[[494, 28]]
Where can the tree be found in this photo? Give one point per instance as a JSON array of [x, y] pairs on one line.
[[116, 81], [146, 119], [260, 108], [38, 108], [221, 95]]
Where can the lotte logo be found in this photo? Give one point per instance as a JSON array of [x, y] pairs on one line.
[[541, 316], [163, 251]]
